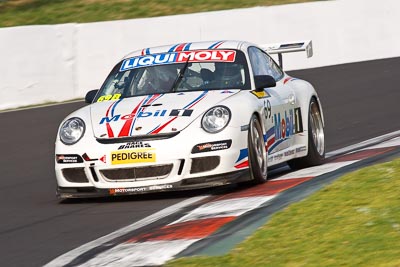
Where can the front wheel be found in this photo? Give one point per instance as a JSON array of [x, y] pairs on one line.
[[316, 140], [257, 152]]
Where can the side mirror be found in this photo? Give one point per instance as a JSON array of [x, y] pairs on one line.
[[264, 81], [90, 96]]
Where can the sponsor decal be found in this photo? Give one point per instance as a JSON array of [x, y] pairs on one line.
[[267, 109], [301, 149], [298, 120], [114, 191], [287, 124], [133, 156], [68, 158], [147, 114], [289, 152], [262, 94], [109, 97], [138, 144], [179, 57], [211, 146], [278, 156], [181, 112]]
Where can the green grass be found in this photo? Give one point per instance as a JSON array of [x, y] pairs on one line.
[[353, 222], [28, 12]]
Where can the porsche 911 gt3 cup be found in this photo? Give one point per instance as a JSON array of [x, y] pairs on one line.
[[190, 115]]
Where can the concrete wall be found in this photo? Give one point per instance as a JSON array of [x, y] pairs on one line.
[[61, 62]]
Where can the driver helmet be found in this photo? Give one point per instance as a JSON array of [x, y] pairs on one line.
[[230, 73]]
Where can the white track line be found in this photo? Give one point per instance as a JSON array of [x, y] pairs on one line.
[[364, 144], [71, 255]]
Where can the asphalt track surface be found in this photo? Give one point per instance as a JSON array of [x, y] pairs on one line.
[[360, 101]]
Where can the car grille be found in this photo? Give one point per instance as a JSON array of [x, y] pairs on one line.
[[137, 173], [204, 164], [75, 175], [149, 137]]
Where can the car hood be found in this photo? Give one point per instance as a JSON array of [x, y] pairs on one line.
[[152, 114]]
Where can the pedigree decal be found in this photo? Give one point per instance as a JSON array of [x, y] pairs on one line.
[[133, 156]]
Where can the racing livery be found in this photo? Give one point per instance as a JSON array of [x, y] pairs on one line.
[[190, 115]]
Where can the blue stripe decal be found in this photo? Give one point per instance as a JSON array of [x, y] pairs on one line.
[[113, 108], [194, 101], [187, 47], [139, 109], [276, 144], [147, 51], [270, 132], [173, 48], [244, 153], [214, 44], [154, 128]]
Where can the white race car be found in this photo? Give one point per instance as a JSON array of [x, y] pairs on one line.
[[188, 116]]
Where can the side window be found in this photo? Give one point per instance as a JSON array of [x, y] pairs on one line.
[[263, 64]]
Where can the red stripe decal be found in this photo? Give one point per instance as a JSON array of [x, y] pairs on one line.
[[156, 131], [218, 45], [270, 142], [127, 126], [242, 165], [153, 97], [197, 101], [185, 230], [286, 80], [109, 108], [180, 47], [109, 130]]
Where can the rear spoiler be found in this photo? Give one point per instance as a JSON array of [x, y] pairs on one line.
[[280, 48]]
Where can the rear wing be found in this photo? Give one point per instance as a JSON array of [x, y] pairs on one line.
[[280, 48]]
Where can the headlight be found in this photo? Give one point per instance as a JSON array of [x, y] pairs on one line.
[[72, 130], [216, 119]]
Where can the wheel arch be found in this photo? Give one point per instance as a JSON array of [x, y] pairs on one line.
[[305, 92]]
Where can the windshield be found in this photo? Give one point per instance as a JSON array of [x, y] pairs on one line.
[[176, 72]]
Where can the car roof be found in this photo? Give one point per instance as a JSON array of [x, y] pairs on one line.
[[209, 45]]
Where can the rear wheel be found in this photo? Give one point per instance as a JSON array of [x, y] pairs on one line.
[[257, 152], [316, 140]]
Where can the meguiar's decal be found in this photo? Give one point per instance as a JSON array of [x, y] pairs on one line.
[[116, 191], [69, 158], [212, 146], [261, 94], [108, 97]]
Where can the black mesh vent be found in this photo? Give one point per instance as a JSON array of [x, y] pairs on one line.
[[75, 175], [159, 172], [204, 164]]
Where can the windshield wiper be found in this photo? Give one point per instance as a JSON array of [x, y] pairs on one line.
[[180, 76]]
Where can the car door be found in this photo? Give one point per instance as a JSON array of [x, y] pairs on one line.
[[279, 113]]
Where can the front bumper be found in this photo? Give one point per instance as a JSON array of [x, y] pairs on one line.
[[185, 184], [185, 161]]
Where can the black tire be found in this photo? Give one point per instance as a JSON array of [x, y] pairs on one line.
[[316, 140], [257, 152]]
